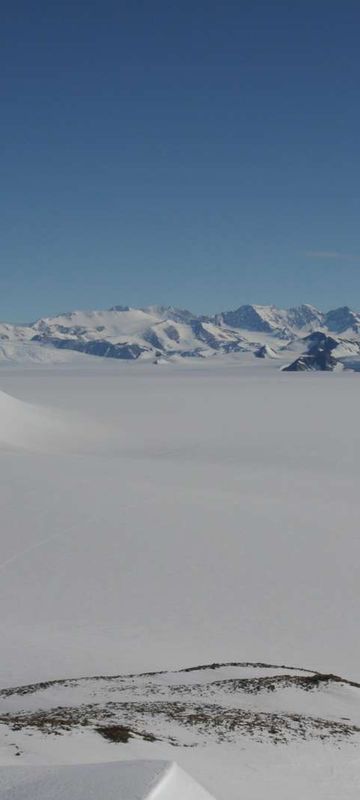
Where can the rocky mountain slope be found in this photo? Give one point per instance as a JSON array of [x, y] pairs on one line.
[[192, 706]]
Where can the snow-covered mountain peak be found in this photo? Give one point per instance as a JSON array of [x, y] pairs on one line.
[[270, 319], [342, 319], [169, 312], [305, 316], [253, 318], [146, 333]]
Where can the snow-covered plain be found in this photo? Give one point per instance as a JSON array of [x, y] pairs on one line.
[[153, 518]]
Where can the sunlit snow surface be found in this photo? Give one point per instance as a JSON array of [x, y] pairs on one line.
[[153, 518]]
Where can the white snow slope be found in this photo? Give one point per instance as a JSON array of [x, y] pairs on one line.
[[208, 512], [127, 780]]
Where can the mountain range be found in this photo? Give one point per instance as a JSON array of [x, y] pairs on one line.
[[165, 333]]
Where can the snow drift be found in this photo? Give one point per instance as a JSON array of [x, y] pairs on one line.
[[123, 780], [35, 427]]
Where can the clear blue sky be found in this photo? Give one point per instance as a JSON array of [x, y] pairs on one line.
[[203, 154]]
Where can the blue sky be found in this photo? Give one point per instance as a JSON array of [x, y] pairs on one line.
[[203, 154]]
